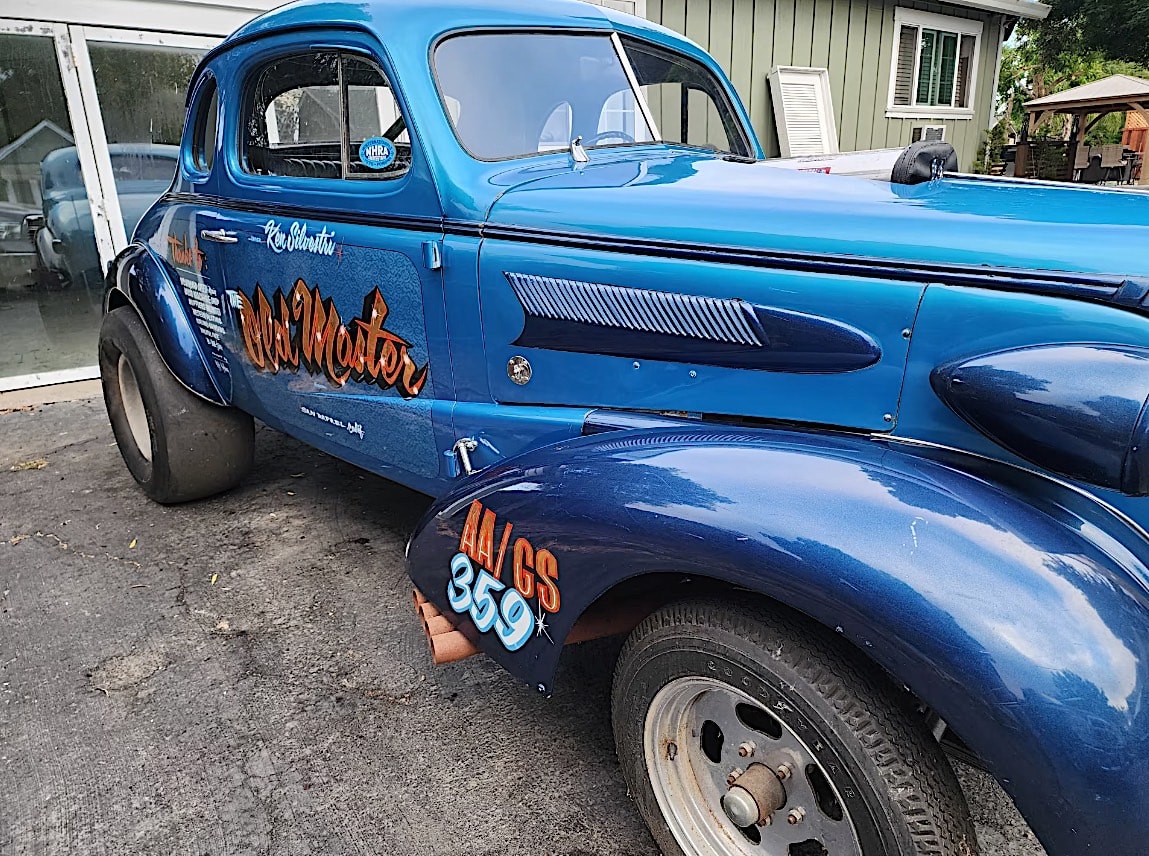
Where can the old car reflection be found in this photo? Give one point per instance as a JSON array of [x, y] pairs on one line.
[[66, 245]]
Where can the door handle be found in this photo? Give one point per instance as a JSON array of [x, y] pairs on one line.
[[220, 236]]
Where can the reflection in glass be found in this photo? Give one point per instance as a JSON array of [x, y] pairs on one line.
[[141, 90], [50, 271], [42, 328]]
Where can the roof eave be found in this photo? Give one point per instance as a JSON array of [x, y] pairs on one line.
[[1117, 102], [1013, 8]]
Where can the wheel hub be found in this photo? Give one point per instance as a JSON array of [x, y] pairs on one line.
[[135, 412], [739, 780], [754, 796]]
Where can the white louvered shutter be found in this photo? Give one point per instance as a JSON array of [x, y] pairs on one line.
[[907, 60], [803, 111]]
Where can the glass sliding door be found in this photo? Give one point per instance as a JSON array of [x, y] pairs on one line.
[[45, 325], [85, 114]]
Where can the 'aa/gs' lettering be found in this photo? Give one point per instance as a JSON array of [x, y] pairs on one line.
[[534, 573]]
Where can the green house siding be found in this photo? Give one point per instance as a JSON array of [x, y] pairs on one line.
[[854, 39]]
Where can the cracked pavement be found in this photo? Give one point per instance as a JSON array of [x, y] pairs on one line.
[[246, 675]]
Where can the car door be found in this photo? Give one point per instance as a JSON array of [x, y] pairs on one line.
[[330, 230]]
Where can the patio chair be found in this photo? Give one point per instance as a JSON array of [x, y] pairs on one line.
[[1113, 161], [1135, 163], [1081, 160]]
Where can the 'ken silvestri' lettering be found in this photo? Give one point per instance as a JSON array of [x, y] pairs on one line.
[[298, 238], [480, 591], [303, 328]]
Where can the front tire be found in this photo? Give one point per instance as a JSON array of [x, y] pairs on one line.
[[177, 446], [747, 730]]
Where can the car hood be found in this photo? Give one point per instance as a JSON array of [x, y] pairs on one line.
[[700, 201]]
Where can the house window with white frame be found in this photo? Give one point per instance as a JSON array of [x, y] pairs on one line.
[[933, 70]]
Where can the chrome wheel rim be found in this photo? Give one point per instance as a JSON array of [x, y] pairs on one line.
[[695, 729], [134, 411]]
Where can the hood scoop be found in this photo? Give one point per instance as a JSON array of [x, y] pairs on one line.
[[1076, 409]]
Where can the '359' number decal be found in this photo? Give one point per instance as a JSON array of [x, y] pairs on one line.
[[491, 605]]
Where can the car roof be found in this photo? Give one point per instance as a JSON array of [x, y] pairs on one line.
[[428, 18]]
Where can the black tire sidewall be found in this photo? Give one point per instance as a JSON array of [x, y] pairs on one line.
[[198, 448], [666, 656], [120, 335]]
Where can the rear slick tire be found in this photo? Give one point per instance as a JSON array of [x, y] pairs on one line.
[[745, 729], [177, 446]]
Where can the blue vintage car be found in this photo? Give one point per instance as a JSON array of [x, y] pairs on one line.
[[861, 466]]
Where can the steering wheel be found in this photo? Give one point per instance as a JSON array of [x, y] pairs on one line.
[[601, 135]]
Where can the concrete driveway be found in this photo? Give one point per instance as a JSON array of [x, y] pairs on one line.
[[246, 675]]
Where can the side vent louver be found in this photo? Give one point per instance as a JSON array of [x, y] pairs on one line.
[[614, 320], [710, 319]]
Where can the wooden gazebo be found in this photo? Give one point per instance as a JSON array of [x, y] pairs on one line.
[[1115, 94]]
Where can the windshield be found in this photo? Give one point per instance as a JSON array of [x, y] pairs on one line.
[[515, 94]]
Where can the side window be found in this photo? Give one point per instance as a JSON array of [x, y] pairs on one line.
[[686, 101], [379, 146], [324, 115], [203, 138]]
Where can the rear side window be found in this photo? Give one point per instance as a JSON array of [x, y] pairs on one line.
[[203, 138], [324, 115]]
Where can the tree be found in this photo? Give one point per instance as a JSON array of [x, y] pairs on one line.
[[1115, 29], [1029, 71]]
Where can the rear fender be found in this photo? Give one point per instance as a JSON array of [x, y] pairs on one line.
[[1014, 607], [141, 279]]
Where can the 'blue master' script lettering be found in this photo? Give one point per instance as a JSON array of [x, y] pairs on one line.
[[298, 238]]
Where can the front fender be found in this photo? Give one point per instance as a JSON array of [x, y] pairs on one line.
[[1014, 607], [146, 282]]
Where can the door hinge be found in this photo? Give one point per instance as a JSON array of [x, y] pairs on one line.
[[432, 255]]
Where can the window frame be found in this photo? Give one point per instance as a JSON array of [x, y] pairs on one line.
[[254, 74], [904, 17], [721, 97], [202, 152]]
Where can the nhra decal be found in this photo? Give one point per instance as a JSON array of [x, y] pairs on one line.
[[476, 587], [377, 153], [303, 328]]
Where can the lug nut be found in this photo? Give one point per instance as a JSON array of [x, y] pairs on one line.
[[783, 772], [766, 821], [746, 749], [795, 815], [734, 774]]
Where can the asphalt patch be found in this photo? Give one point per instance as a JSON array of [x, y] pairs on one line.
[[245, 675]]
